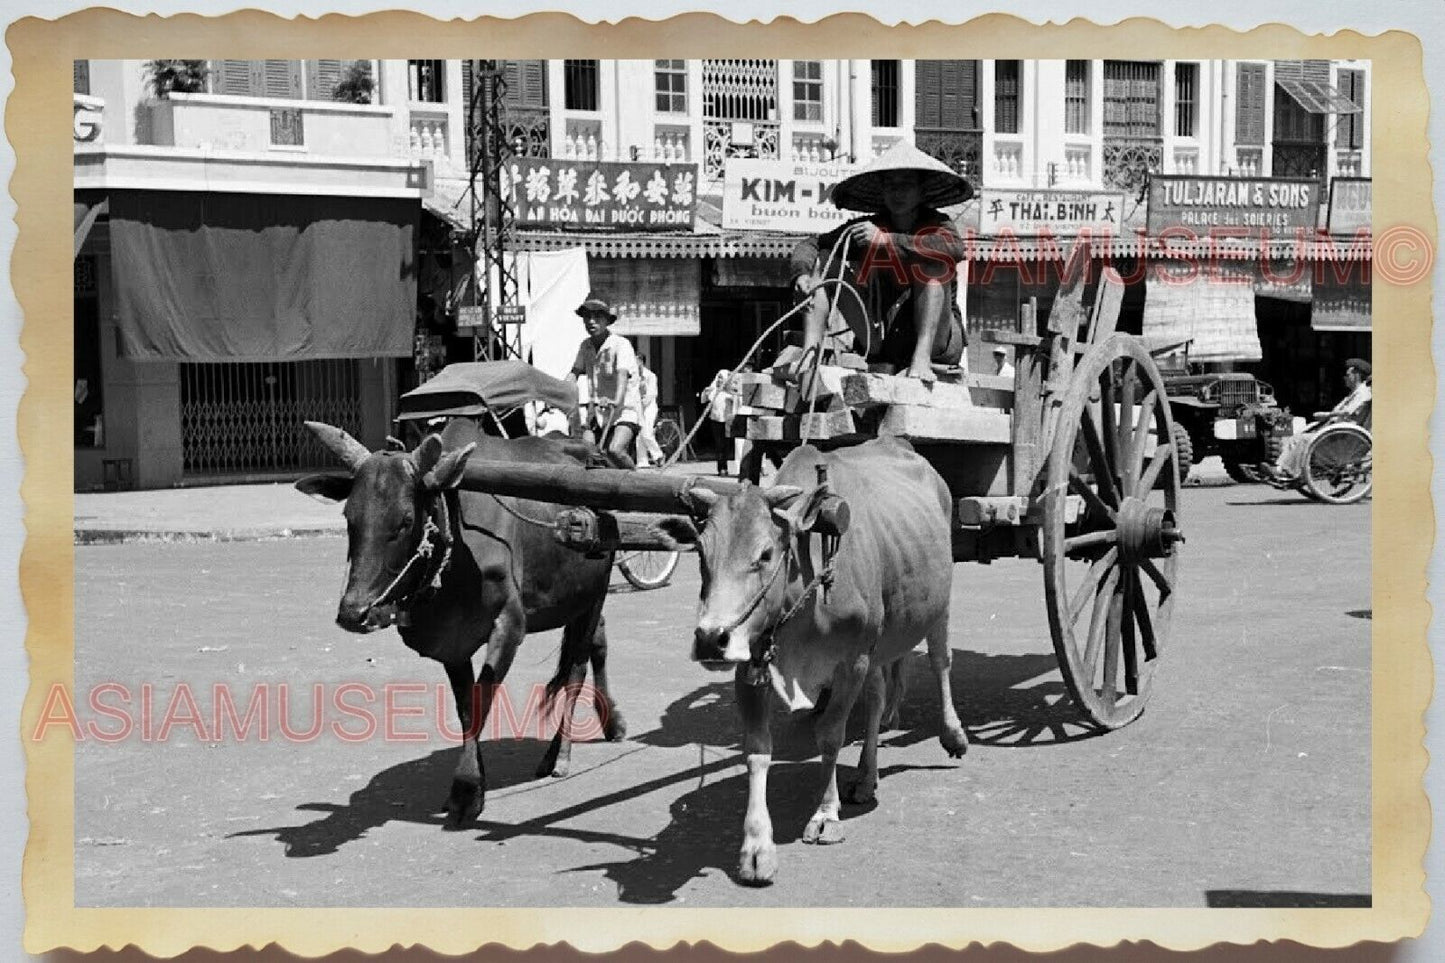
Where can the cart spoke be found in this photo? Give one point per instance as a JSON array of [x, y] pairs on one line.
[[1108, 490], [1131, 659], [1141, 430], [1113, 636], [1146, 622], [1160, 582], [1097, 539], [1123, 447], [1090, 585], [1156, 467], [1098, 626], [1109, 423], [1091, 497]]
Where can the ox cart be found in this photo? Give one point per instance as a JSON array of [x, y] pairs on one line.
[[1071, 462]]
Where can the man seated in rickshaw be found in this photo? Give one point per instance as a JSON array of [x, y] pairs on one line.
[[1355, 408], [903, 259]]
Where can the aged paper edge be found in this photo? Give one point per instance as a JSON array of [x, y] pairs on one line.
[[1402, 513]]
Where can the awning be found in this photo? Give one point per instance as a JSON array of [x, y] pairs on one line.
[[1033, 249], [1319, 98], [88, 207], [663, 245], [262, 277]]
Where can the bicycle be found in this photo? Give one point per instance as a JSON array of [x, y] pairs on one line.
[[671, 433]]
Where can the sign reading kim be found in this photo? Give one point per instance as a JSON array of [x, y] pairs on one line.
[[1053, 211], [792, 197], [601, 195], [1233, 207]]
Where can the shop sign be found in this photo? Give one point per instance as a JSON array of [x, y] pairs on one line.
[[591, 195], [471, 316], [1056, 212], [1350, 200], [790, 197], [1232, 207]]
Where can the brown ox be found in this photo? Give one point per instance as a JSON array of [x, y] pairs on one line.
[[763, 614], [457, 569]]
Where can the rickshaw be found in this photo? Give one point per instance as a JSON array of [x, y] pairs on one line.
[[497, 395], [1336, 466]]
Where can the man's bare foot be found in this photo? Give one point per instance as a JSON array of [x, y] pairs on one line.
[[923, 372]]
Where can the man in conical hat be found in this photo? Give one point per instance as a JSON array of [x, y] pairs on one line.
[[903, 258]]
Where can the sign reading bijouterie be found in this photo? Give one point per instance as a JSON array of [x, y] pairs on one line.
[[601, 195], [1050, 211], [791, 197], [1233, 207]]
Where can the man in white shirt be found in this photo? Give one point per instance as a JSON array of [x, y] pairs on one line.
[[650, 452], [1355, 407], [606, 366], [1000, 359]]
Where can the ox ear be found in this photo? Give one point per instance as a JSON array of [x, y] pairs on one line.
[[427, 454], [781, 496], [680, 531], [448, 470], [330, 487], [701, 500]]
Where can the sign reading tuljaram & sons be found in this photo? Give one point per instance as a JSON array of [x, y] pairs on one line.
[[1235, 207], [601, 195]]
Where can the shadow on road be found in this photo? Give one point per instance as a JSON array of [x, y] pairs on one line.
[[413, 791]]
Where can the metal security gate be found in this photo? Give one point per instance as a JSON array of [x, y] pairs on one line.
[[244, 419]]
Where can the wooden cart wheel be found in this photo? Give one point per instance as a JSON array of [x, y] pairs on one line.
[[1110, 573]]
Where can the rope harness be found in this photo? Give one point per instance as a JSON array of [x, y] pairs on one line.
[[434, 549]]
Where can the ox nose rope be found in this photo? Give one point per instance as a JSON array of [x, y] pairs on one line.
[[434, 547]]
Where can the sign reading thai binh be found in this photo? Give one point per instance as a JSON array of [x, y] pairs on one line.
[[792, 197], [1051, 211], [1249, 207], [1350, 199], [601, 195]]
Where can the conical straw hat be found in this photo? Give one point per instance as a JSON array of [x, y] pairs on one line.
[[864, 190]]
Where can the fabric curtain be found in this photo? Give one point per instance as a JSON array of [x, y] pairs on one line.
[[1184, 301], [259, 277], [553, 284]]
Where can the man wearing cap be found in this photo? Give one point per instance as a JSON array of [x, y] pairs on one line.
[[1000, 359], [606, 368], [1355, 407], [904, 258]]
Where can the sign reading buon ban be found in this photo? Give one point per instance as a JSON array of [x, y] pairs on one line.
[[601, 195]]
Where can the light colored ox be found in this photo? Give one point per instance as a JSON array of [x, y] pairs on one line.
[[765, 614]]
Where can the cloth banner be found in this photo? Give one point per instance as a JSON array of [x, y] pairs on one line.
[[553, 284], [1212, 304], [262, 277]]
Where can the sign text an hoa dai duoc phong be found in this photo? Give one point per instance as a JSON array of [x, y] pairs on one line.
[[1233, 207], [601, 195]]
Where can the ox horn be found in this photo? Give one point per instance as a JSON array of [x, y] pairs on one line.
[[351, 452]]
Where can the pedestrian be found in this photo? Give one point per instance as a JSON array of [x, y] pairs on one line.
[[905, 256], [720, 402], [606, 368], [1002, 368], [649, 451], [1354, 408]]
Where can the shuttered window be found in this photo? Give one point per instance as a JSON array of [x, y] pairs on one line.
[[946, 94], [526, 83], [82, 76], [886, 90], [1186, 99], [1315, 70], [580, 82], [322, 76], [1293, 124], [1076, 97], [807, 90], [1351, 130], [1249, 104], [1132, 99], [1007, 86], [425, 81], [264, 78]]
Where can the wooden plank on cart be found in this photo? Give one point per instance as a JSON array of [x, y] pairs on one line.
[[769, 428], [972, 424], [991, 390], [770, 395], [824, 425], [865, 390]]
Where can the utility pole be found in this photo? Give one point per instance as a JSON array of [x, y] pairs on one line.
[[493, 214]]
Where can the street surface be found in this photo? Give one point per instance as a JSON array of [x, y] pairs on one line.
[[1246, 779]]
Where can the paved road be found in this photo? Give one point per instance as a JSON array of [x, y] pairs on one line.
[[1248, 775]]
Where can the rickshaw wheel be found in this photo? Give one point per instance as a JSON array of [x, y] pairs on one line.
[[1111, 573], [1338, 467], [648, 569]]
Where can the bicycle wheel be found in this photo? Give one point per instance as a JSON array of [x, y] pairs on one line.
[[668, 434], [648, 569], [1338, 466]]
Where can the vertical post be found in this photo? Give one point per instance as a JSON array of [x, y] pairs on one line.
[[1027, 415]]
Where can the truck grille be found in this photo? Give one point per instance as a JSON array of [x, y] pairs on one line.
[[1233, 394]]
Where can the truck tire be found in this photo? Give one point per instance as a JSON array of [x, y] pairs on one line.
[[1184, 446], [1238, 470]]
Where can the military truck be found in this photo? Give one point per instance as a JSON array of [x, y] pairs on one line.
[[1231, 414]]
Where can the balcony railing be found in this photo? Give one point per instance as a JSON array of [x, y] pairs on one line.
[[1129, 160], [1306, 159], [1349, 163], [723, 139], [1249, 161], [962, 150]]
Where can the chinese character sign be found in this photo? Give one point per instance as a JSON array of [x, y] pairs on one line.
[[1049, 211], [592, 195]]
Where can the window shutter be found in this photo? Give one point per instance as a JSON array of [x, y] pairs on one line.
[[526, 82], [968, 94], [237, 78], [282, 78], [322, 76], [1352, 126], [953, 112], [928, 92], [466, 85], [1249, 104]]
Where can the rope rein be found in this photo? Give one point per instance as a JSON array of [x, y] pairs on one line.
[[435, 543]]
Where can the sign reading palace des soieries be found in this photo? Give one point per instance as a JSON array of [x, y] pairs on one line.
[[601, 195], [792, 197], [1049, 211], [1236, 207]]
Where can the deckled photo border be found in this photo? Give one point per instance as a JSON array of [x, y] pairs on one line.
[[1402, 512]]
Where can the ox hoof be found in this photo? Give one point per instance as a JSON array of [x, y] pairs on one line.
[[888, 722], [863, 792], [955, 741], [823, 830], [758, 864], [616, 728], [556, 768], [464, 804]]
